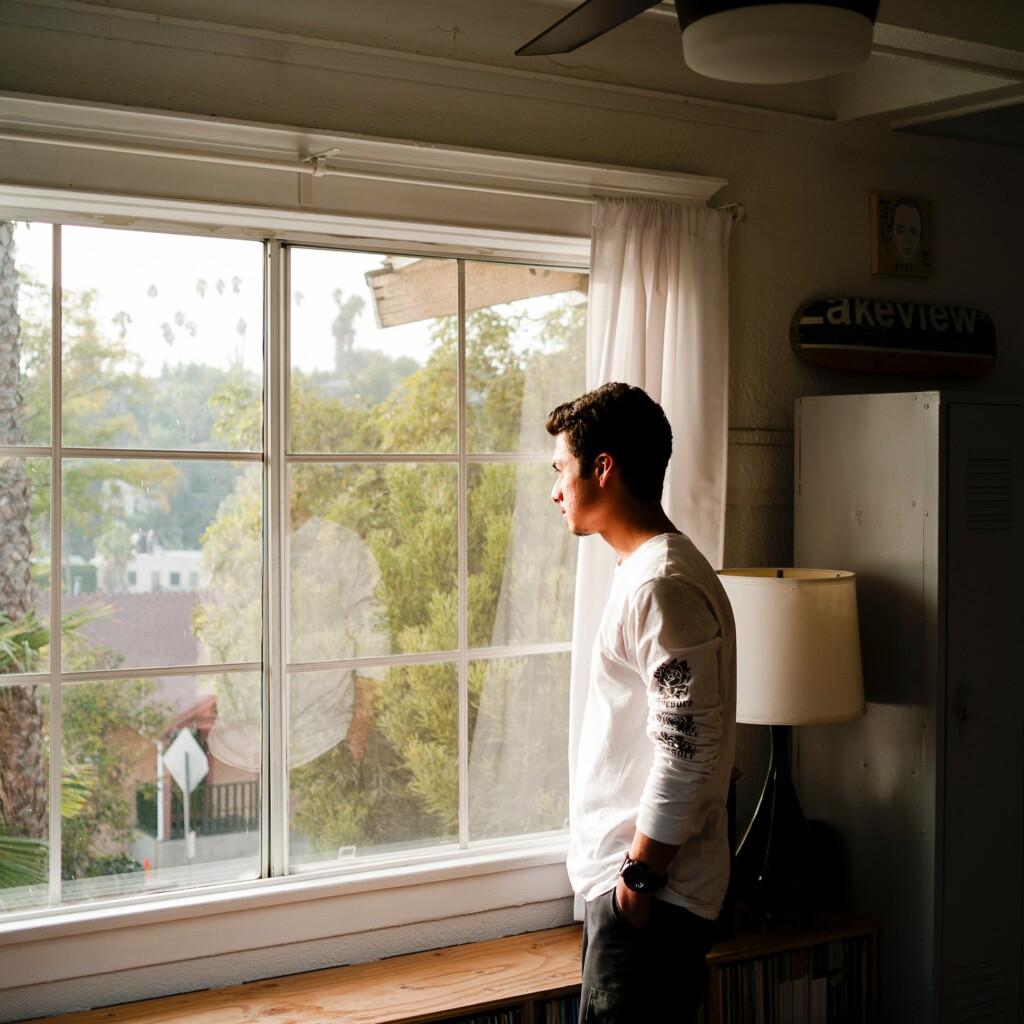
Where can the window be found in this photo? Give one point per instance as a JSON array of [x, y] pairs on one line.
[[370, 663]]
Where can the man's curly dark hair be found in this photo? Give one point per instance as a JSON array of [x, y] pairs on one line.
[[625, 422]]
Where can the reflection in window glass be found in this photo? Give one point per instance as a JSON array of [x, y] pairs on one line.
[[373, 758], [518, 746], [131, 747], [129, 526], [522, 560], [374, 353], [163, 340], [374, 558]]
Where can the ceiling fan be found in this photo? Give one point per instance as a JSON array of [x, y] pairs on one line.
[[754, 41]]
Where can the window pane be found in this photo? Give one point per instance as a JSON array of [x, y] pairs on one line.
[[373, 353], [374, 559], [525, 352], [128, 526], [26, 274], [24, 565], [163, 340], [24, 826], [518, 746], [373, 761], [522, 559], [124, 769]]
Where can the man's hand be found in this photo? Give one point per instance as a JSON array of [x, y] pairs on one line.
[[635, 906]]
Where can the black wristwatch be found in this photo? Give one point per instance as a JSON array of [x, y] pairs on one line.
[[638, 876]]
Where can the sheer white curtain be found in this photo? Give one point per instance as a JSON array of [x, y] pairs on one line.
[[658, 319]]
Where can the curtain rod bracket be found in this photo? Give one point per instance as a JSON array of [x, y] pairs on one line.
[[318, 161], [738, 212]]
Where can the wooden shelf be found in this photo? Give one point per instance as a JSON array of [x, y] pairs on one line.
[[521, 973], [824, 928], [435, 985]]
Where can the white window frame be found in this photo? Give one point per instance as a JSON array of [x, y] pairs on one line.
[[306, 188]]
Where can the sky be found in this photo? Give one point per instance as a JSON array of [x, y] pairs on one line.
[[196, 299]]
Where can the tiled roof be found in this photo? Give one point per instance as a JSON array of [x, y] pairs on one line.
[[144, 630]]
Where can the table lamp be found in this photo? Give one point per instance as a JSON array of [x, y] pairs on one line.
[[798, 663]]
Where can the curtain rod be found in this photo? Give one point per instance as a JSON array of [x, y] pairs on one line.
[[315, 166]]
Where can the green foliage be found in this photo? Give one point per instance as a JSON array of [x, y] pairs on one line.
[[106, 403], [24, 642], [420, 702], [21, 642], [101, 722], [22, 860], [106, 726], [395, 778]]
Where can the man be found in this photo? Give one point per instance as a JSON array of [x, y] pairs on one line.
[[648, 824]]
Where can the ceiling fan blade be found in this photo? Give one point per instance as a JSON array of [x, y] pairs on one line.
[[588, 21]]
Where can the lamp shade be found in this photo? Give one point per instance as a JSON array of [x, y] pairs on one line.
[[772, 43], [797, 645]]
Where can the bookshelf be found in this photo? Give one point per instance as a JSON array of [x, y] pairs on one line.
[[824, 974]]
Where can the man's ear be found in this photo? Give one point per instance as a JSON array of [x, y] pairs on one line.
[[603, 465]]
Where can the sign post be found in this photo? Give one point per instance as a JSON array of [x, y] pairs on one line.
[[188, 765]]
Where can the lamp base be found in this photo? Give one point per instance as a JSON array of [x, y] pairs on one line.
[[776, 866]]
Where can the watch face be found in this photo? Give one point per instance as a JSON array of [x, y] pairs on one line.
[[638, 877]]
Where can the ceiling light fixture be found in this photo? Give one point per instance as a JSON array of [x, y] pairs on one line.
[[751, 41], [772, 43]]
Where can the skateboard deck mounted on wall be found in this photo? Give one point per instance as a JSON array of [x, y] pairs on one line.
[[891, 336]]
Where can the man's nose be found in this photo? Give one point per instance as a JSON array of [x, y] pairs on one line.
[[556, 494]]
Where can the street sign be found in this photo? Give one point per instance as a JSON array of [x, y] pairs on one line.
[[186, 762]]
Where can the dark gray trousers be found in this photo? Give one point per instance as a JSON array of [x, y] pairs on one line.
[[650, 974]]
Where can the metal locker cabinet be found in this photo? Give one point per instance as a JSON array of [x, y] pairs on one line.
[[922, 495]]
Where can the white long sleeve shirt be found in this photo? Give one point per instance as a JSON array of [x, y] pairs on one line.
[[658, 733]]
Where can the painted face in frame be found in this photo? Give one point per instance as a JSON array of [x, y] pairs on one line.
[[576, 496]]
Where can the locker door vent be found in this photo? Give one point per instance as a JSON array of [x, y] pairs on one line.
[[989, 491], [981, 990]]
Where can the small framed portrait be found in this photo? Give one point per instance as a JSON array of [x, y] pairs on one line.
[[902, 239]]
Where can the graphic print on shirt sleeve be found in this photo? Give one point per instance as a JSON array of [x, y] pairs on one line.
[[673, 679], [675, 730]]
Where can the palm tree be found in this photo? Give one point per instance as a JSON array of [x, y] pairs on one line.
[[22, 740]]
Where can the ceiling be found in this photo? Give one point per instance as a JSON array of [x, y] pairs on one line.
[[1002, 126], [938, 67], [952, 68], [965, 86]]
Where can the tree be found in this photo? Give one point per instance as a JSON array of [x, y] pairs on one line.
[[401, 784], [22, 737], [101, 389], [105, 725], [512, 590]]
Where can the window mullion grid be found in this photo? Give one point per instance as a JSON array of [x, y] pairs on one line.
[[57, 454], [463, 563], [273, 777], [56, 556]]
